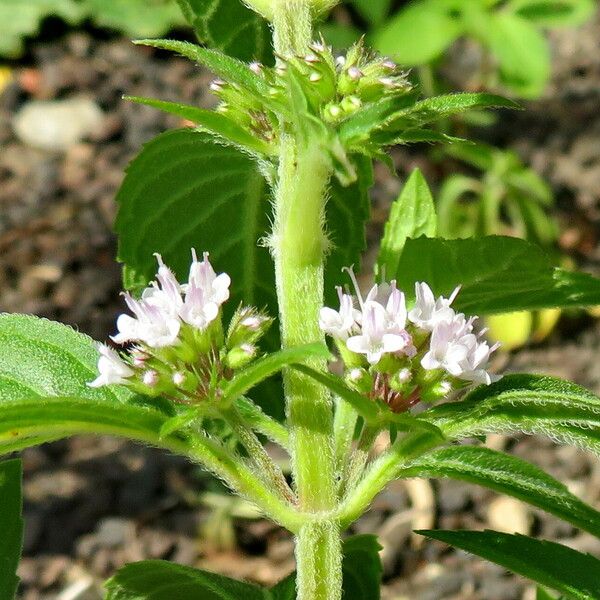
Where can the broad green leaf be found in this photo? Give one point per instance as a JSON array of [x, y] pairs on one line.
[[542, 594], [270, 364], [361, 567], [162, 580], [412, 215], [496, 274], [437, 26], [554, 13], [507, 475], [528, 403], [41, 358], [230, 26], [184, 190], [44, 371], [522, 52], [11, 526], [347, 213], [226, 67], [373, 11], [210, 121], [563, 569]]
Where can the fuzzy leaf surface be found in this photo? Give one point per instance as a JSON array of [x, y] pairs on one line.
[[11, 526], [163, 580], [575, 574], [507, 475], [535, 404], [230, 26], [44, 371], [497, 274]]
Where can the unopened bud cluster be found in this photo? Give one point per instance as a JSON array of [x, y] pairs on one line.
[[178, 347], [401, 356], [333, 88]]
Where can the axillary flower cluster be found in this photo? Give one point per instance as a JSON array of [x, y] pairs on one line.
[[403, 356], [178, 347]]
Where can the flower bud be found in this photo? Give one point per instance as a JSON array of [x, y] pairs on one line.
[[360, 379], [436, 392], [239, 357]]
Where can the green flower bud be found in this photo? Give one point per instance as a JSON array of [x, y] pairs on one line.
[[437, 391], [239, 357], [360, 379]]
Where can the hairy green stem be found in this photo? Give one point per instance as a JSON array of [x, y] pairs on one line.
[[268, 470], [298, 245], [383, 471]]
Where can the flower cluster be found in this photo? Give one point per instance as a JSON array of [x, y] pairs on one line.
[[177, 344], [403, 356]]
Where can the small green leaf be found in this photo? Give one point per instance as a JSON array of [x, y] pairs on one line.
[[496, 274], [268, 365], [11, 526], [226, 67], [567, 571], [162, 580], [230, 26], [522, 52], [437, 26], [210, 121], [412, 215], [507, 475], [554, 13]]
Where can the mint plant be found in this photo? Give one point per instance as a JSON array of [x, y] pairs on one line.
[[273, 183]]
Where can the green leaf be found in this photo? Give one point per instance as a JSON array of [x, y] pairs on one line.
[[11, 526], [44, 371], [361, 569], [230, 26], [184, 189], [533, 404], [224, 66], [443, 106], [554, 13], [567, 571], [522, 52], [347, 213], [162, 580], [496, 274], [210, 121], [507, 475], [437, 26], [412, 215], [268, 365]]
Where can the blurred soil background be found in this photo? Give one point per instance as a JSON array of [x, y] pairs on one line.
[[92, 505]]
